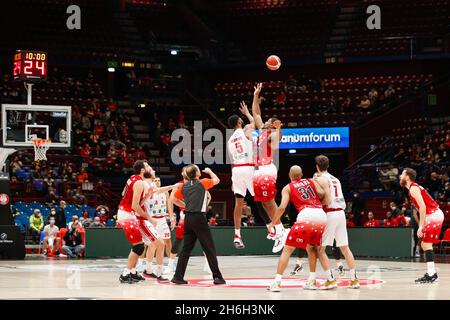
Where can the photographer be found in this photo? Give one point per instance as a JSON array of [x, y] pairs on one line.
[[73, 241]]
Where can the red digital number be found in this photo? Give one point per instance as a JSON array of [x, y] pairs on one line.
[[335, 191], [239, 148], [40, 65], [17, 68], [28, 67]]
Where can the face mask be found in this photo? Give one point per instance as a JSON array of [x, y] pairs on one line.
[[102, 211]]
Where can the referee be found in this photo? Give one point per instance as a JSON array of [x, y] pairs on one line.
[[194, 194]]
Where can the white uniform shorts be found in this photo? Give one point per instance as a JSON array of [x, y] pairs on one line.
[[242, 179], [336, 229], [123, 215], [162, 228]]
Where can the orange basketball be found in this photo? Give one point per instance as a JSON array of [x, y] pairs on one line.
[[273, 62]]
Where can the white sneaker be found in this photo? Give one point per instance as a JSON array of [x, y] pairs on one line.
[[238, 243], [311, 285], [167, 270], [280, 241], [274, 286]]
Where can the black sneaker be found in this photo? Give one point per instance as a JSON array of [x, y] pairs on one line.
[[137, 277], [149, 275], [162, 279], [126, 279], [178, 281], [219, 281], [427, 278], [297, 269]]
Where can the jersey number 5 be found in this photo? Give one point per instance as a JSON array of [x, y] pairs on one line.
[[238, 147]]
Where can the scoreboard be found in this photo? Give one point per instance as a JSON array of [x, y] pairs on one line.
[[30, 65]]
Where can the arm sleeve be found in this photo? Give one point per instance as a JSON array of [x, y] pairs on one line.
[[178, 194], [207, 183]]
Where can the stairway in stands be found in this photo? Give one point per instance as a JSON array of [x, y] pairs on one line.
[[341, 31]]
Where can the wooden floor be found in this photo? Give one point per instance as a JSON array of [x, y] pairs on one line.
[[247, 277]]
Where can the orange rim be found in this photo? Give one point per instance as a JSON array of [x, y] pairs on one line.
[[40, 142]]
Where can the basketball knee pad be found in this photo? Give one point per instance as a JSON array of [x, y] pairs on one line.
[[138, 248]]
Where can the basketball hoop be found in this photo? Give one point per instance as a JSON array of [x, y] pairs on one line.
[[40, 148]]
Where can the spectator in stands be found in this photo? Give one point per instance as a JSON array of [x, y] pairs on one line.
[[390, 221], [371, 222], [103, 213], [73, 241], [347, 105], [280, 100], [82, 176], [16, 164], [52, 214], [36, 224], [395, 211], [80, 199], [97, 223], [291, 84], [434, 185], [447, 192], [74, 218], [349, 219], [402, 218], [332, 105], [85, 123], [365, 103], [50, 199], [400, 157], [87, 221], [373, 96], [181, 121], [51, 239], [389, 93], [60, 218]]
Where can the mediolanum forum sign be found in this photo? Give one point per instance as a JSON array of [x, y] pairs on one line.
[[313, 138]]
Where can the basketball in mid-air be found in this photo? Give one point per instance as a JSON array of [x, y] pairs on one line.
[[273, 62]]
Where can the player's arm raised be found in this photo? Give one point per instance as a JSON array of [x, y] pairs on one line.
[[215, 179], [256, 110], [417, 195], [251, 126], [285, 197], [165, 189]]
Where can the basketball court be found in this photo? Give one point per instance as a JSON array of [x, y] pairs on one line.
[[247, 278]]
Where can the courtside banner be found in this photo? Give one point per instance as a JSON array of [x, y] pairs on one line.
[[313, 138]]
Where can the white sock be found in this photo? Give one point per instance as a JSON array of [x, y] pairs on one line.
[[237, 232], [171, 262], [299, 261], [159, 270], [278, 277], [133, 271], [126, 272], [430, 268], [312, 276], [279, 228], [329, 275], [149, 268], [352, 274]]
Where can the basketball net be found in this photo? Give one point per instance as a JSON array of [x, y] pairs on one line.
[[40, 148]]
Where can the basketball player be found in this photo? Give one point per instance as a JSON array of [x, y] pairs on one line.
[[265, 177], [430, 221], [336, 228], [308, 198], [134, 220], [157, 205], [240, 149]]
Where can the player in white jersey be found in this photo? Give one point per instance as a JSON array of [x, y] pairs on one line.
[[153, 203], [336, 228], [240, 150]]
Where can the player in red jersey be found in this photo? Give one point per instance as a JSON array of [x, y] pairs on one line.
[[134, 220], [308, 198], [430, 220], [265, 176]]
